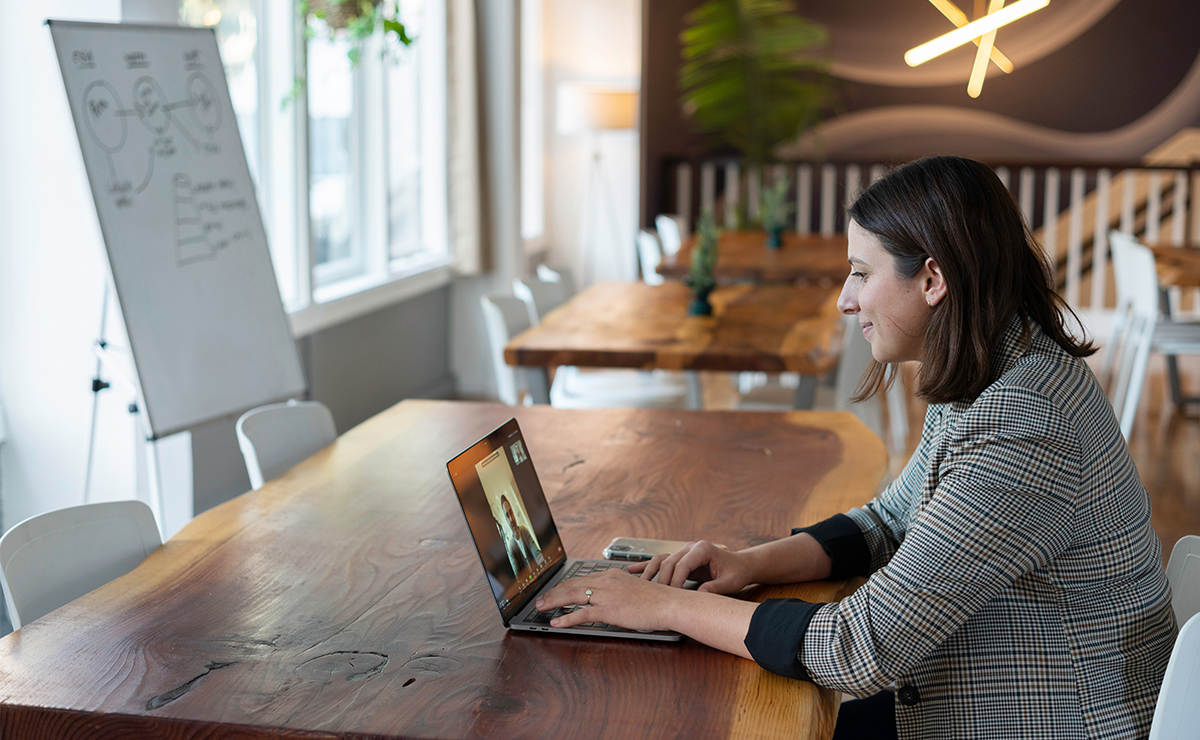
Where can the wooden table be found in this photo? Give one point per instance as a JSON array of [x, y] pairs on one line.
[[1178, 267], [743, 255], [767, 328], [343, 599]]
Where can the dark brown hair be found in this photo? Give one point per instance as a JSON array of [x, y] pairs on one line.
[[959, 213]]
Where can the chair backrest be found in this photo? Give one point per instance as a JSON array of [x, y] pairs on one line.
[[852, 363], [505, 317], [560, 275], [540, 297], [56, 557], [1177, 714], [275, 437], [649, 256], [1183, 573], [672, 230], [1133, 331]]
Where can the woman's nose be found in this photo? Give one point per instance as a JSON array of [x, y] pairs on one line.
[[847, 301]]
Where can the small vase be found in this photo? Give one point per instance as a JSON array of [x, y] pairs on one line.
[[774, 238], [700, 305]]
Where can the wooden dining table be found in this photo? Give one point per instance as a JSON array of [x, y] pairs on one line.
[[345, 599], [1178, 267], [764, 328], [742, 255]]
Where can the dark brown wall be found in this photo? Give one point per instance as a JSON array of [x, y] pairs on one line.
[[1114, 73]]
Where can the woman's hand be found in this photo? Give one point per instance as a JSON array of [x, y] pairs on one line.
[[719, 570], [617, 598]]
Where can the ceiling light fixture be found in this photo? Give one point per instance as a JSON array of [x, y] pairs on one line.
[[981, 31], [959, 19]]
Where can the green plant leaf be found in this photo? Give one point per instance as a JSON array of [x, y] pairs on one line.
[[397, 28], [754, 73]]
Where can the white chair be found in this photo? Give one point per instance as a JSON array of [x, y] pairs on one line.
[[649, 257], [572, 387], [853, 362], [540, 297], [1139, 328], [504, 317], [672, 230], [1183, 573], [758, 393], [1133, 328], [1177, 714], [560, 275], [275, 437], [56, 557]]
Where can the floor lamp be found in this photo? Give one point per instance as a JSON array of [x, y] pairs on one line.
[[594, 110]]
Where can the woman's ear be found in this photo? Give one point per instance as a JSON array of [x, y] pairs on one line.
[[934, 285]]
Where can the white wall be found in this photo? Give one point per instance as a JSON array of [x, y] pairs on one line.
[[592, 41], [471, 363], [52, 276]]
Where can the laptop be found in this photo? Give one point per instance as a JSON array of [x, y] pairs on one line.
[[515, 536]]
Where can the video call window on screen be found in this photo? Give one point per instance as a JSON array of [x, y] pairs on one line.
[[508, 510]]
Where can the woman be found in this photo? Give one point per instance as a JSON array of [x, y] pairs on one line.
[[1015, 584]]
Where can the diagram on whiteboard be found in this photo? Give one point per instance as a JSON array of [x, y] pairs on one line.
[[131, 164], [200, 210]]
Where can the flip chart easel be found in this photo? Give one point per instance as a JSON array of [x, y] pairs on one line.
[[186, 246]]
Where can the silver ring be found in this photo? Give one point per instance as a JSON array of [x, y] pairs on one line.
[[589, 595]]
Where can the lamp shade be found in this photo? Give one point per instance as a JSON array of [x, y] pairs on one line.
[[587, 108]]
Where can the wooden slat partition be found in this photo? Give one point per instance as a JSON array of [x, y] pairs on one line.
[[804, 183], [1068, 207]]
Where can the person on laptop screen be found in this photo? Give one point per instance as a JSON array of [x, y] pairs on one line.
[[1015, 586], [508, 509]]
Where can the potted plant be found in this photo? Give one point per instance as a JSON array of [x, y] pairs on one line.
[[754, 74], [356, 20], [773, 210], [704, 260]]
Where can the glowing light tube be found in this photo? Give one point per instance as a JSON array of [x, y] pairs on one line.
[[973, 30], [959, 19]]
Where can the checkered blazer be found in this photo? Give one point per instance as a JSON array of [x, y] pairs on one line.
[[1016, 586]]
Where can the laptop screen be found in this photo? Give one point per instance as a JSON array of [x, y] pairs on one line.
[[507, 513]]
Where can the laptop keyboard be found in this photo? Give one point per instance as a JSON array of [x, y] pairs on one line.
[[581, 568]]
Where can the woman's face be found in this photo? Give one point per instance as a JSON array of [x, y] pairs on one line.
[[893, 311]]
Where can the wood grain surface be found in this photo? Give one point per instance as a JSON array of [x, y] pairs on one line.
[[344, 599], [743, 255], [770, 328], [1178, 266]]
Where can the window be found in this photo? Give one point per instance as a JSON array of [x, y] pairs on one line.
[[533, 205], [353, 187]]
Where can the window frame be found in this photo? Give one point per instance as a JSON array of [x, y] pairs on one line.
[[319, 296]]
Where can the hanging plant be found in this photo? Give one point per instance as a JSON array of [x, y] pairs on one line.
[[755, 74], [356, 20]]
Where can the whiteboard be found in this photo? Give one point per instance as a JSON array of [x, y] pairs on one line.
[[181, 225]]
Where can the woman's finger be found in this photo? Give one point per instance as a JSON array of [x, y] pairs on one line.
[[694, 559], [566, 593], [652, 567]]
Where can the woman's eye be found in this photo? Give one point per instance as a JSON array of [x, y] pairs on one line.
[[859, 275]]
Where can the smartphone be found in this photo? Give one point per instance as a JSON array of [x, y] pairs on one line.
[[635, 548]]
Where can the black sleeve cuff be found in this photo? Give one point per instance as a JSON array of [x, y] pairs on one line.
[[776, 636], [844, 543]]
